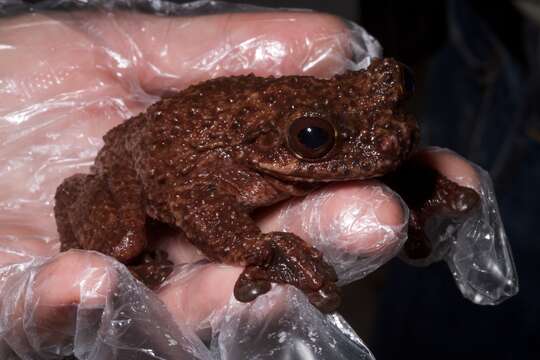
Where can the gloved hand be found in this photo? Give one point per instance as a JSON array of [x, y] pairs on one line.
[[66, 78]]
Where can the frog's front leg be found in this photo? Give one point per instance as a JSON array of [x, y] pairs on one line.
[[222, 229], [429, 195]]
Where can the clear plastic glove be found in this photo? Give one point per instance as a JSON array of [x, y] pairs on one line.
[[476, 249], [66, 78]]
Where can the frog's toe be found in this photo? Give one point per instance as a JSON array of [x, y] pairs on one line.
[[251, 284]]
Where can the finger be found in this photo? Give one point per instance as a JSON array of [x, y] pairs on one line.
[[197, 293], [346, 217], [73, 277], [178, 249], [171, 52], [451, 165], [357, 218], [354, 218], [45, 313]]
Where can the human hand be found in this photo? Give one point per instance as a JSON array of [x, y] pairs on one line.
[[67, 78]]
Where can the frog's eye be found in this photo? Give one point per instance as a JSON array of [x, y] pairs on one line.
[[311, 137]]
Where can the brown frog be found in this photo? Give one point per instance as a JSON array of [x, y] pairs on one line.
[[203, 159]]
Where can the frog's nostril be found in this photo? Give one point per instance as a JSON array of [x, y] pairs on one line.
[[408, 80]]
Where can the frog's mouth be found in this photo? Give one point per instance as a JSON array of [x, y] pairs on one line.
[[326, 172]]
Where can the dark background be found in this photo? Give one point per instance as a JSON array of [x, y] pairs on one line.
[[476, 65]]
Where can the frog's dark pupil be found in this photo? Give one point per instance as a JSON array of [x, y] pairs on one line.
[[313, 137]]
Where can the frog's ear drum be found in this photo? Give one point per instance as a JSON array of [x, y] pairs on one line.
[[267, 138], [311, 137]]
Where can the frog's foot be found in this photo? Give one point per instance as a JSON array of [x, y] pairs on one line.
[[448, 201], [152, 268], [252, 282], [92, 217], [292, 262]]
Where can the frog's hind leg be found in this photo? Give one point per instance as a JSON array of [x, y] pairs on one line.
[[91, 216], [66, 195]]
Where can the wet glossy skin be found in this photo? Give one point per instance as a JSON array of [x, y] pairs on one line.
[[203, 159], [431, 197]]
